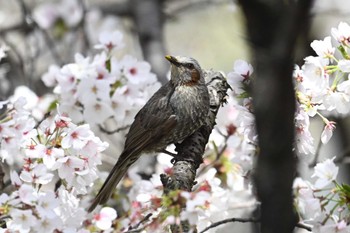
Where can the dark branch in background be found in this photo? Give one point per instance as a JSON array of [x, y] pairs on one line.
[[244, 220], [191, 150], [273, 28], [26, 26], [148, 19], [109, 132], [81, 27]]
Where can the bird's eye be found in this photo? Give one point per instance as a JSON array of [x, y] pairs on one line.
[[189, 65]]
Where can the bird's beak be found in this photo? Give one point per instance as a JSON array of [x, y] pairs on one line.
[[172, 60]]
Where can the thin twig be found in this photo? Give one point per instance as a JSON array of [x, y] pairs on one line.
[[303, 226], [253, 220], [317, 154], [216, 224], [104, 130], [146, 218], [44, 118]]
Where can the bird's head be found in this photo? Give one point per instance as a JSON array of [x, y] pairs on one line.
[[185, 71]]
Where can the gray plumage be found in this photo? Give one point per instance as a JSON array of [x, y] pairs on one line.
[[173, 113]]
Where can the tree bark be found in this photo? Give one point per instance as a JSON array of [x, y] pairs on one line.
[[191, 150], [273, 28]]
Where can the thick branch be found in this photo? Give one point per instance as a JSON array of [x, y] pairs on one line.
[[190, 151], [273, 28]]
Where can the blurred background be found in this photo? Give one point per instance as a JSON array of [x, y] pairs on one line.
[[41, 33]]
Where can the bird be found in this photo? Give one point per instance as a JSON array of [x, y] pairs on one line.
[[173, 113]]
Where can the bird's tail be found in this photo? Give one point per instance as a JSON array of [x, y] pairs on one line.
[[125, 160]]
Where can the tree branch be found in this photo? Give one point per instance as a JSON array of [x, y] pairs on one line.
[[244, 220], [191, 150]]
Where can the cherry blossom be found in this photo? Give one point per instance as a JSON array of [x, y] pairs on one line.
[[110, 41], [323, 48], [342, 33], [326, 172], [77, 137], [22, 220], [104, 218], [327, 131]]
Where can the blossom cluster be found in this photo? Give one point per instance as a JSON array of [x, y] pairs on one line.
[[323, 89], [51, 14], [323, 204], [59, 155], [322, 86], [96, 89], [58, 164]]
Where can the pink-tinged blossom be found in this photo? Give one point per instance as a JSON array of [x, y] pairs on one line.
[[45, 15], [97, 112], [104, 75], [50, 155], [15, 180], [342, 33], [91, 150], [304, 139], [68, 166], [110, 41], [325, 172], [27, 194], [90, 90], [34, 150], [243, 68], [47, 202], [327, 131], [77, 137], [22, 220], [71, 11], [137, 72], [72, 110], [66, 80], [298, 75], [331, 227], [240, 76], [37, 175], [323, 48], [104, 218]]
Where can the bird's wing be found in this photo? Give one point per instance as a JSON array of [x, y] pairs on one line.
[[152, 122]]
